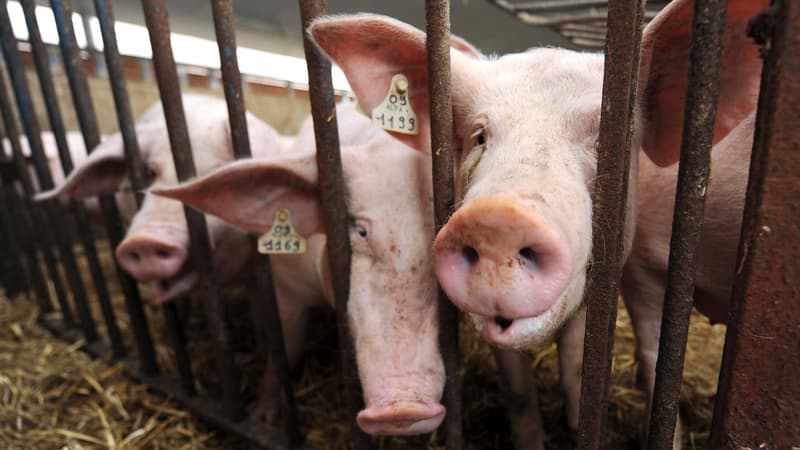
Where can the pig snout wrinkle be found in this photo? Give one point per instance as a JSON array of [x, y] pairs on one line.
[[497, 258]]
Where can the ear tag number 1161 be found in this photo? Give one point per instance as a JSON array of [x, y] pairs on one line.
[[395, 113], [282, 237]]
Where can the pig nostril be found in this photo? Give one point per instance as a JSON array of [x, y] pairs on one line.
[[161, 253], [134, 256], [470, 254], [527, 255], [503, 322]]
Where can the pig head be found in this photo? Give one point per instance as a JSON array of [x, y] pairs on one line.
[[156, 247], [515, 252], [392, 302]]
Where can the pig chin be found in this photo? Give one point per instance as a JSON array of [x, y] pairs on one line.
[[536, 330]]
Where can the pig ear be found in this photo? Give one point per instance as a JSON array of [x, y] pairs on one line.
[[664, 72], [101, 173], [371, 50], [105, 168], [247, 193]]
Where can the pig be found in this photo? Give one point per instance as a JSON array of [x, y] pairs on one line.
[[392, 305], [156, 246], [525, 126]]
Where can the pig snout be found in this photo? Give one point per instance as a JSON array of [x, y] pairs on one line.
[[401, 418], [152, 254], [498, 259]]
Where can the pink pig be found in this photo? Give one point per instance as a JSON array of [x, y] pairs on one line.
[[156, 246], [392, 305], [514, 254]]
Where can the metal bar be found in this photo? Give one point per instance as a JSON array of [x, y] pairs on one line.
[[136, 175], [28, 225], [55, 213], [336, 217], [42, 63], [155, 12], [12, 264], [264, 309], [13, 275], [557, 5], [437, 25], [705, 52], [608, 216], [38, 215], [758, 400]]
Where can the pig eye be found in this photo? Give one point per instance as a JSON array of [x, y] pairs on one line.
[[361, 232], [479, 138], [150, 174]]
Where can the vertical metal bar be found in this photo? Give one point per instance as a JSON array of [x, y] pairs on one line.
[[136, 175], [264, 309], [758, 400], [55, 213], [155, 12], [332, 193], [708, 25], [27, 225], [12, 264], [13, 275], [437, 18], [57, 125], [37, 218], [608, 216]]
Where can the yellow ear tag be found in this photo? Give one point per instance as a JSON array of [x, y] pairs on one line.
[[282, 237], [395, 113]]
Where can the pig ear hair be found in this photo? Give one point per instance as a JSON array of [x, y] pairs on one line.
[[101, 173], [465, 47], [371, 49], [664, 70], [246, 193]]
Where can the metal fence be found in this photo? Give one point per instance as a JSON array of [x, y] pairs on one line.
[[758, 398]]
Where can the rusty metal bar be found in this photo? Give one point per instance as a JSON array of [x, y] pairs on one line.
[[136, 175], [608, 217], [55, 213], [12, 259], [336, 217], [42, 63], [13, 276], [155, 13], [48, 213], [705, 52], [29, 225], [437, 25], [265, 311], [758, 400]]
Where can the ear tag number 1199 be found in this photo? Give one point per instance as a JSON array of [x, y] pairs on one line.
[[282, 237], [395, 113]]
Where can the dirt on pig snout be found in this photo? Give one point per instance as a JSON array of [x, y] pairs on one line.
[[52, 395]]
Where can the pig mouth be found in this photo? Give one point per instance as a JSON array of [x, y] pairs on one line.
[[518, 333], [402, 418], [168, 289]]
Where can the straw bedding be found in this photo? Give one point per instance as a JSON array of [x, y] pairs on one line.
[[54, 396]]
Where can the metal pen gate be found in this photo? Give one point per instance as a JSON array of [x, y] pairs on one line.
[[758, 403]]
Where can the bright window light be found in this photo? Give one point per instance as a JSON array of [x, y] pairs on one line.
[[134, 40]]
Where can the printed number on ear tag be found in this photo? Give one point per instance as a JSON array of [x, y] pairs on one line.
[[282, 237], [395, 113]]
